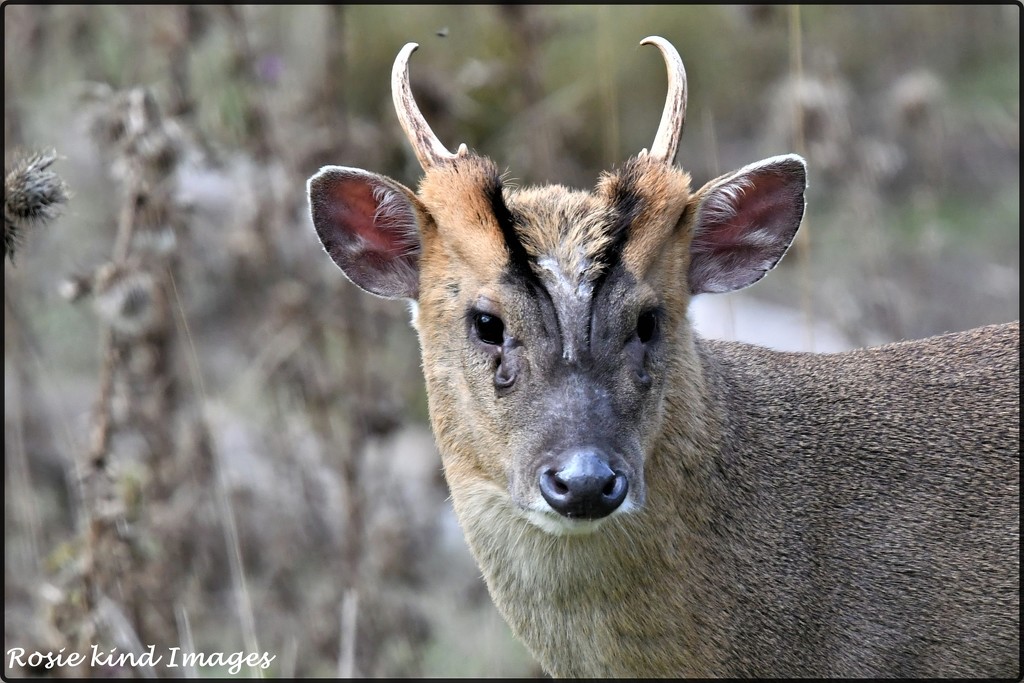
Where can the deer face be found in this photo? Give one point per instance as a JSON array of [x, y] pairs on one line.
[[551, 319]]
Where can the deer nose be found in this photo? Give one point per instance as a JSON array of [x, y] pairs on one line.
[[581, 484]]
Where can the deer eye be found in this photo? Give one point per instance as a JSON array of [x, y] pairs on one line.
[[489, 328], [646, 326]]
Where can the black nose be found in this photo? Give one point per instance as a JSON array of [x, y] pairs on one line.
[[581, 484]]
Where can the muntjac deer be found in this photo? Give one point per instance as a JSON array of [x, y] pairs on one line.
[[645, 502]]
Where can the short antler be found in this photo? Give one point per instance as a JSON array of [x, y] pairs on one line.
[[425, 144], [666, 143]]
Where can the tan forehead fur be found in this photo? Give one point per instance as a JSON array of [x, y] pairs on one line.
[[465, 221], [665, 191], [564, 225], [571, 228]]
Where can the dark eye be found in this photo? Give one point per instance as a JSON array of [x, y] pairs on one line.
[[489, 328], [646, 326]]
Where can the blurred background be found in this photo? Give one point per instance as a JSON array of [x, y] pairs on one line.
[[213, 441]]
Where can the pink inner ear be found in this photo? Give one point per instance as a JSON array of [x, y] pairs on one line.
[[369, 225], [759, 209], [352, 203], [745, 225]]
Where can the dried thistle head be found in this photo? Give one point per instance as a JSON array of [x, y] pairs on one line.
[[130, 123], [33, 195], [815, 110], [128, 299], [157, 224], [915, 99]]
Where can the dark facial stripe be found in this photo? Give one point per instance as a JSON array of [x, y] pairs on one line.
[[519, 259], [627, 205], [519, 271]]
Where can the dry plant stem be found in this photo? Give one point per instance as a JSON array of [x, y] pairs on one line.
[[182, 103], [804, 234], [281, 345], [526, 23], [97, 478], [15, 455], [116, 622], [257, 117], [23, 348], [32, 20], [347, 647], [343, 434], [122, 513], [243, 599], [334, 111], [126, 220], [185, 640], [258, 135], [344, 430], [100, 441], [609, 95], [351, 464], [322, 415]]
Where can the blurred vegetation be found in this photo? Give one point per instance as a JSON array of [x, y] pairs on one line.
[[212, 441]]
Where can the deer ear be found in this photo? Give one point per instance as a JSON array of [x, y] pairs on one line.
[[744, 222], [370, 226]]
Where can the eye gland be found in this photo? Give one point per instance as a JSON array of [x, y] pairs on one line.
[[489, 328], [646, 326]]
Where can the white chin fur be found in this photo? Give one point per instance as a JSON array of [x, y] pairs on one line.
[[557, 525]]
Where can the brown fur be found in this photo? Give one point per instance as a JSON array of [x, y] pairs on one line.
[[788, 514], [849, 515], [802, 520]]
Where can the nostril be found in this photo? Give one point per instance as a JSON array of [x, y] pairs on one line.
[[616, 489], [552, 485], [582, 484]]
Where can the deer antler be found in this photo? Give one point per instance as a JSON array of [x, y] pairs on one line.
[[425, 144], [666, 143]]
